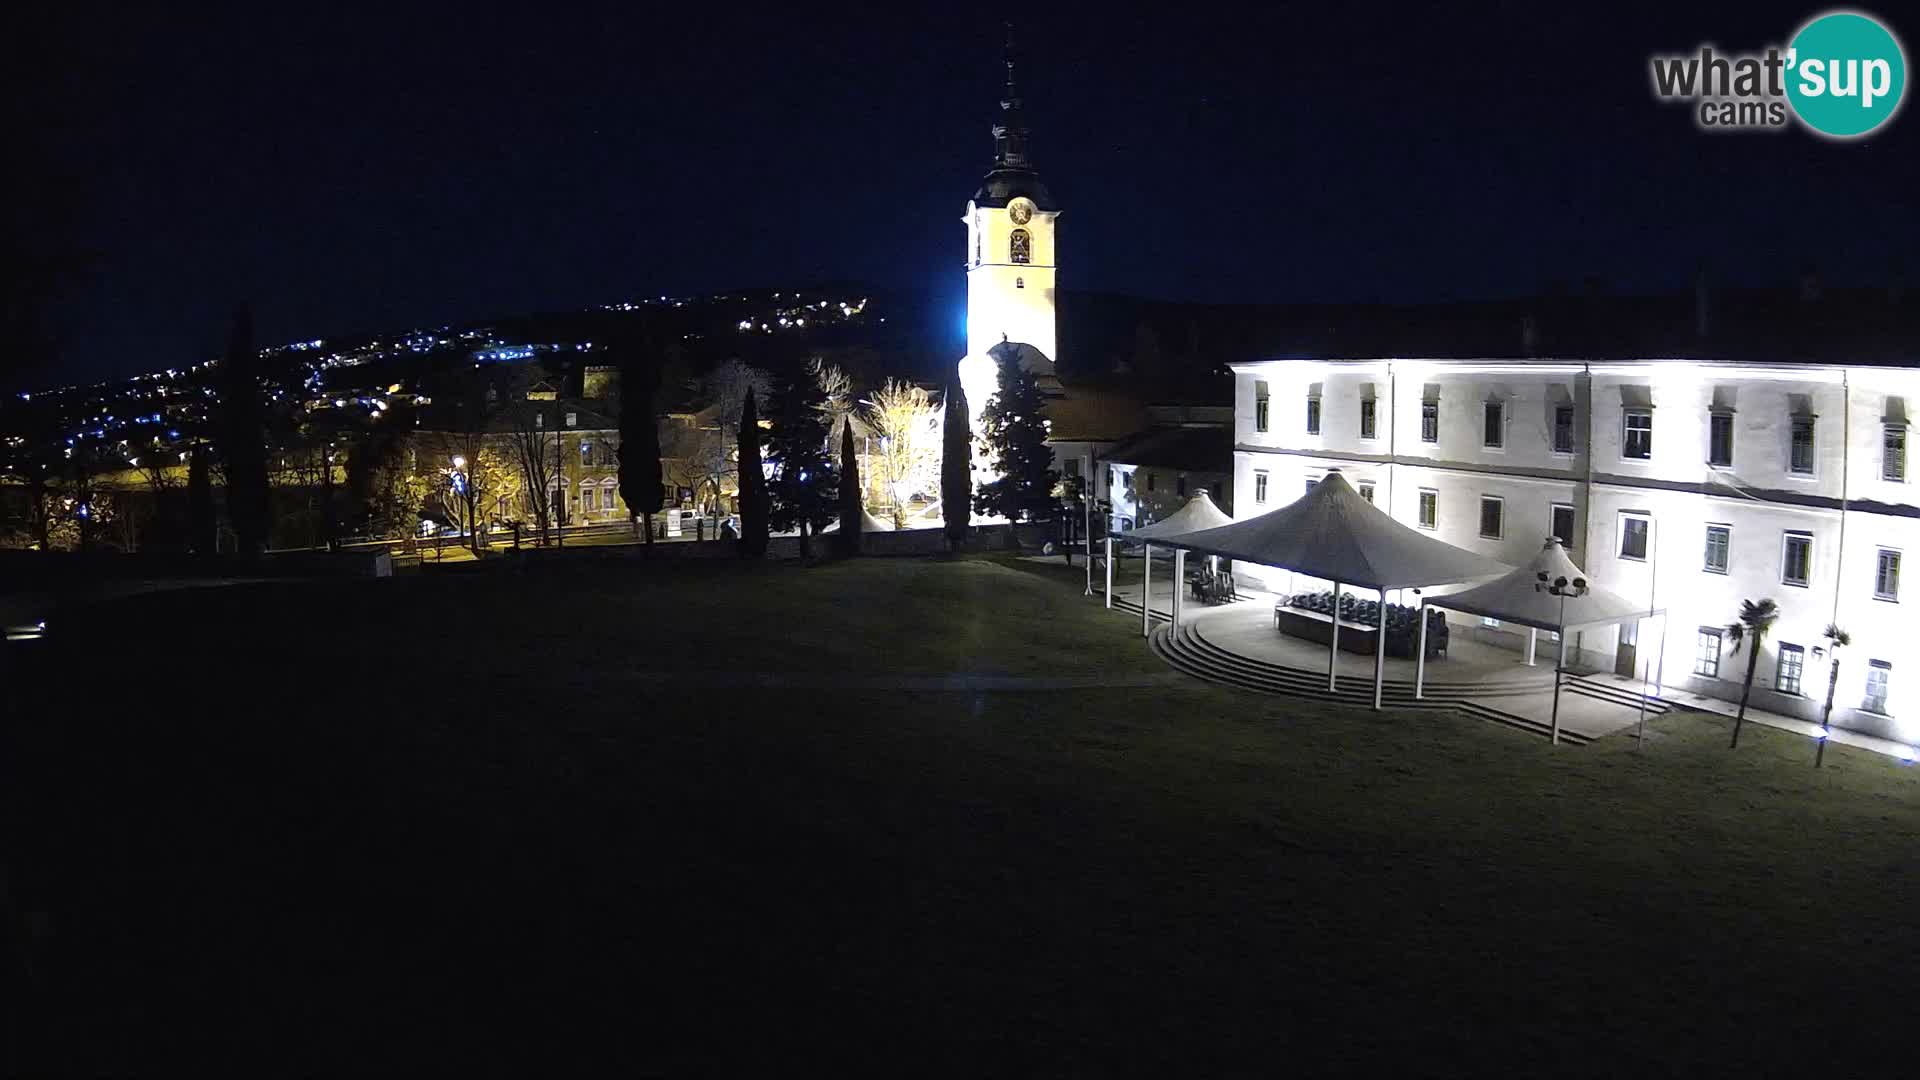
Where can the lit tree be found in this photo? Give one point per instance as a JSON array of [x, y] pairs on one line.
[[836, 396], [902, 417], [1756, 618], [1837, 639], [533, 446], [1015, 430], [956, 467], [804, 487], [753, 482]]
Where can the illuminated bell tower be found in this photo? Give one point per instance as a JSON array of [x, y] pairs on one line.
[[1010, 255]]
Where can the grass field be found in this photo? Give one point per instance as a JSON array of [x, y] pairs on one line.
[[614, 813]]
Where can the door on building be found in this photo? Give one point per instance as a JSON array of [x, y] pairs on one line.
[[1625, 655]]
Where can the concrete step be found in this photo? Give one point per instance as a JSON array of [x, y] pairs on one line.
[[1615, 694], [1188, 652]]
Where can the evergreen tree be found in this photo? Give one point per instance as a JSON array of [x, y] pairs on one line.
[[640, 484], [244, 438], [804, 481], [201, 536], [1016, 436], [752, 483], [849, 540], [956, 466]]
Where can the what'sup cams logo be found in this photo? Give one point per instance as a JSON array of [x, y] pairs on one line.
[[1842, 76]]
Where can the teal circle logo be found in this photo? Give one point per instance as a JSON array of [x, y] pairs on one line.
[[1846, 74]]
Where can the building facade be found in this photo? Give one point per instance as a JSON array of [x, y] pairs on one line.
[[1694, 485]]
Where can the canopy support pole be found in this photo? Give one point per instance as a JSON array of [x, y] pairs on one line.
[[1533, 642], [1333, 650], [1179, 581], [1559, 666], [1660, 672], [1146, 592], [1380, 653], [1420, 657], [1109, 543]]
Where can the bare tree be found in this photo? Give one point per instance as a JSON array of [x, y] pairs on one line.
[[533, 449], [905, 447], [717, 458], [836, 404]]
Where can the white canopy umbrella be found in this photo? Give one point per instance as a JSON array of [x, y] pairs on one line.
[[868, 523], [1526, 596], [1199, 513], [1333, 533]]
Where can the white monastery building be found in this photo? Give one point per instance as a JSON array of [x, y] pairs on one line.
[[1691, 485]]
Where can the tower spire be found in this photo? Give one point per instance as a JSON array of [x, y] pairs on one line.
[[1010, 133]]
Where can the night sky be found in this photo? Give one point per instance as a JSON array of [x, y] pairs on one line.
[[384, 169]]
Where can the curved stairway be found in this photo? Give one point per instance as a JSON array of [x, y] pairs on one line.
[[1188, 650]]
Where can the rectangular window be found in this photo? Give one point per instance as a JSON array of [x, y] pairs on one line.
[[1720, 439], [1311, 480], [1706, 652], [1313, 416], [1634, 530], [1637, 441], [1796, 558], [1126, 481], [586, 498], [572, 419], [1260, 486], [586, 455], [1429, 508], [1800, 453], [1787, 680], [1489, 622], [1493, 427], [1367, 425], [1366, 490], [1259, 406], [1893, 453], [1879, 674], [1563, 429], [1429, 421], [1886, 575], [1180, 484], [1560, 524], [1493, 514], [1719, 543]]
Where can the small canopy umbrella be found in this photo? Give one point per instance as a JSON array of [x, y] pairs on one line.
[[1527, 596], [868, 523], [1333, 533], [1198, 513]]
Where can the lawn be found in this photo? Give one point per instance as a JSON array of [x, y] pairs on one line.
[[706, 817]]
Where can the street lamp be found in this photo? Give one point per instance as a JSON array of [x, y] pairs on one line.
[[1562, 588]]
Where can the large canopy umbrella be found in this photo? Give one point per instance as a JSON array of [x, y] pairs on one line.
[[1198, 513], [1549, 593], [1333, 533]]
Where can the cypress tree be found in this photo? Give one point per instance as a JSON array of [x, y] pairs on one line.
[[244, 437], [956, 467], [849, 540], [639, 453], [1016, 434], [753, 484], [201, 536]]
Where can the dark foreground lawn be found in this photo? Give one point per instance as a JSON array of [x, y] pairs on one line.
[[535, 820]]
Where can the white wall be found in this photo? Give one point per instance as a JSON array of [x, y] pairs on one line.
[[1758, 497]]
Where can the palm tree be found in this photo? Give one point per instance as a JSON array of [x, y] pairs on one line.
[[1837, 639], [1756, 618]]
